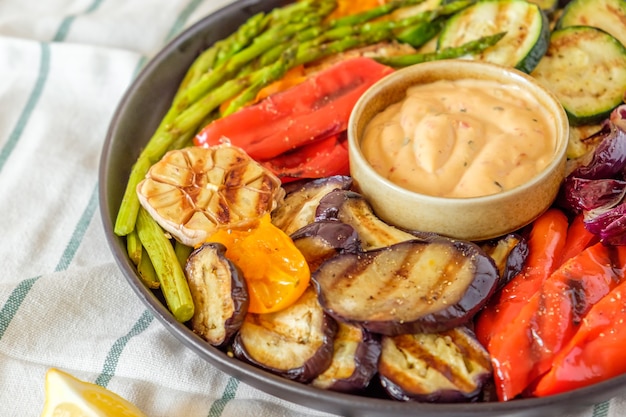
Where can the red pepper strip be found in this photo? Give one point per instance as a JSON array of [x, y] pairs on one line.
[[323, 158], [315, 109], [578, 238], [569, 294], [510, 353], [545, 247], [526, 348], [596, 352]]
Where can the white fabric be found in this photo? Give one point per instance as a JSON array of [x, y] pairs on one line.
[[64, 65]]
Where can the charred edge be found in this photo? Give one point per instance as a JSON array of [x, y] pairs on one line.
[[411, 347]]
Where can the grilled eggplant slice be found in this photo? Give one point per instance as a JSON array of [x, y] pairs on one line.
[[409, 287], [355, 360], [509, 252], [296, 343], [319, 241], [300, 203], [219, 293], [450, 366], [352, 208]]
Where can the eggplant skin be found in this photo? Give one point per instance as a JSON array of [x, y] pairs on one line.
[[333, 182], [509, 253], [301, 200], [450, 366], [352, 208], [355, 360], [321, 240], [295, 343], [409, 287], [219, 293]]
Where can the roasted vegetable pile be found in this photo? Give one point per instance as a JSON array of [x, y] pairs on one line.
[[241, 211]]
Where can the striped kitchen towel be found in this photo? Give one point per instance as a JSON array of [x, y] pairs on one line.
[[64, 66]]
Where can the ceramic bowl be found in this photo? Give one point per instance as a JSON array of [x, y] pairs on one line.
[[471, 218], [137, 116]]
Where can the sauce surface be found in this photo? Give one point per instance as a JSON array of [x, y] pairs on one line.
[[462, 138]]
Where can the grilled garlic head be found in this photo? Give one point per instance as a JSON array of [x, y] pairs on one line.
[[193, 192]]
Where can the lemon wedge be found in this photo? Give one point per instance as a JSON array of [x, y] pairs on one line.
[[67, 396]]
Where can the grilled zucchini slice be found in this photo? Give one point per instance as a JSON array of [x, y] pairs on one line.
[[548, 6], [608, 15], [526, 26], [585, 67]]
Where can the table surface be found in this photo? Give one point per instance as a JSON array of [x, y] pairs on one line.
[[64, 65]]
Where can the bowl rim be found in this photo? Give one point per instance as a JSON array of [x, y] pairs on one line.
[[301, 394], [517, 76]]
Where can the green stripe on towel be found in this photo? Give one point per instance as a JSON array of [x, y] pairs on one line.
[[229, 393], [17, 297], [13, 303], [113, 358], [176, 28], [182, 18], [79, 231], [67, 22], [44, 69]]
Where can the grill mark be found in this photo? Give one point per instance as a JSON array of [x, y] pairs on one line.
[[222, 211], [467, 346], [398, 273], [442, 277], [398, 279], [575, 290], [616, 12], [578, 299], [238, 183], [365, 261], [333, 95], [411, 346]]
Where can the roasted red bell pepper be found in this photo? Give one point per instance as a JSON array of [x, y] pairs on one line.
[[312, 110], [323, 158], [545, 248], [570, 293], [596, 352], [525, 350], [578, 238]]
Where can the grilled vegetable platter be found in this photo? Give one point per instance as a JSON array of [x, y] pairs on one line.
[[236, 220]]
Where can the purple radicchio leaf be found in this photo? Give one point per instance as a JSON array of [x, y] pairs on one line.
[[609, 158], [606, 164], [598, 188], [585, 194], [608, 225]]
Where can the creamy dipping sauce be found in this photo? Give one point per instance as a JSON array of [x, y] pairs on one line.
[[462, 138]]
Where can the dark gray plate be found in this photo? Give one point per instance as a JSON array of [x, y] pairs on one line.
[[133, 123]]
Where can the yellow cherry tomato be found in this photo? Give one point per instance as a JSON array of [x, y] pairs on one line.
[[275, 271]]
